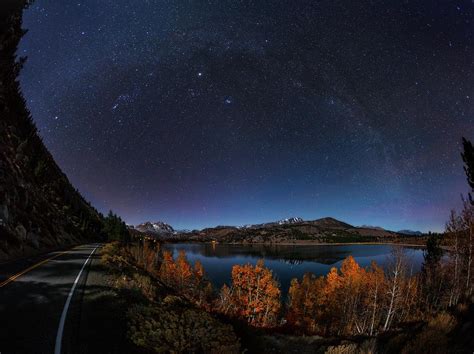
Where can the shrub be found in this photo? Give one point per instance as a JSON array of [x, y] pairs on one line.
[[112, 257], [434, 336], [172, 327]]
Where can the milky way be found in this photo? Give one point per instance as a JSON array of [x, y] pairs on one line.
[[232, 112]]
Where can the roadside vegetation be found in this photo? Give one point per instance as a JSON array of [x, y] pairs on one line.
[[174, 307], [162, 319]]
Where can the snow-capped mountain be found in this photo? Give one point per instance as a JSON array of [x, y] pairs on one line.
[[158, 227], [293, 220]]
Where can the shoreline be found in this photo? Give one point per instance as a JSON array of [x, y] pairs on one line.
[[303, 243], [332, 243]]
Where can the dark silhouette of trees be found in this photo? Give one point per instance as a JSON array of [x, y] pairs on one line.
[[115, 229], [468, 158]]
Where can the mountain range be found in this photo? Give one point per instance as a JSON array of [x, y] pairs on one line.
[[293, 229], [157, 227], [410, 232]]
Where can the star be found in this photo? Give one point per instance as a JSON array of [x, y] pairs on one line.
[[227, 96]]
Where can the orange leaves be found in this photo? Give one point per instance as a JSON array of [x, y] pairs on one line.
[[350, 301], [184, 272], [305, 301], [198, 269], [188, 281], [254, 295], [168, 269], [350, 269]]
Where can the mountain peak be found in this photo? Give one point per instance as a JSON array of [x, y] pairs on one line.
[[157, 227], [330, 222], [292, 220], [287, 221], [410, 232]]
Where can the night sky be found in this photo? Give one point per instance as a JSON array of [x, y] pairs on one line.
[[203, 113]]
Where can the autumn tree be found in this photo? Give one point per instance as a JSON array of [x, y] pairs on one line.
[[145, 254], [453, 230], [254, 295], [347, 302], [306, 303], [467, 240], [184, 273], [188, 281], [225, 303], [353, 279], [202, 289], [395, 278], [376, 284], [168, 269]]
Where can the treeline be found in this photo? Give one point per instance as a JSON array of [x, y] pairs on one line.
[[352, 300], [114, 228]]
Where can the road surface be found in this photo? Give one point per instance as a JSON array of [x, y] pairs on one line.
[[43, 307]]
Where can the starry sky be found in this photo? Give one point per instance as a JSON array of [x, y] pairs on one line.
[[203, 113]]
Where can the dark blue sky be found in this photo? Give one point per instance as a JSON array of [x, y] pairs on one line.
[[202, 113]]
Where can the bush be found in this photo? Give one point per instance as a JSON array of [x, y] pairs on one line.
[[172, 327], [112, 257], [350, 348], [434, 336]]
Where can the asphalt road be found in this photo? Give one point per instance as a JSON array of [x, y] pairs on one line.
[[42, 310]]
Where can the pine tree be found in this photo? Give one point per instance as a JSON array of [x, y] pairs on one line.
[[433, 252], [468, 158]]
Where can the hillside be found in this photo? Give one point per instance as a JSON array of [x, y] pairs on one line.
[[325, 230], [39, 208]]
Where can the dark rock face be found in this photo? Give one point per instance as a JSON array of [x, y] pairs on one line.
[[157, 227], [39, 208]]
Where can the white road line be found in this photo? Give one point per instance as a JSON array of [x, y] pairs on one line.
[[62, 321]]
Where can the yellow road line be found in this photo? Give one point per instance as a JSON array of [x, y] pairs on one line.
[[13, 277]]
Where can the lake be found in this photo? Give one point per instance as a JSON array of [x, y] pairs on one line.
[[287, 261]]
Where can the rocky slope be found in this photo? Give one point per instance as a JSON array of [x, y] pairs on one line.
[[39, 208], [157, 227], [292, 230]]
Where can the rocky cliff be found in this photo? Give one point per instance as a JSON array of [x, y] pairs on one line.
[[39, 208]]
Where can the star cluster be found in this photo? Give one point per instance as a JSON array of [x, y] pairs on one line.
[[232, 112]]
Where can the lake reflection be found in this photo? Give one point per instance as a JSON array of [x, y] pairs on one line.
[[287, 261]]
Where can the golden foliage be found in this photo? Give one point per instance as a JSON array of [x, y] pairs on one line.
[[254, 295]]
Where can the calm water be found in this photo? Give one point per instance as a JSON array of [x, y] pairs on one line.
[[287, 262]]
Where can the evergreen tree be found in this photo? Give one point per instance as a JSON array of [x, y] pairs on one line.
[[468, 158], [115, 228], [433, 252]]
